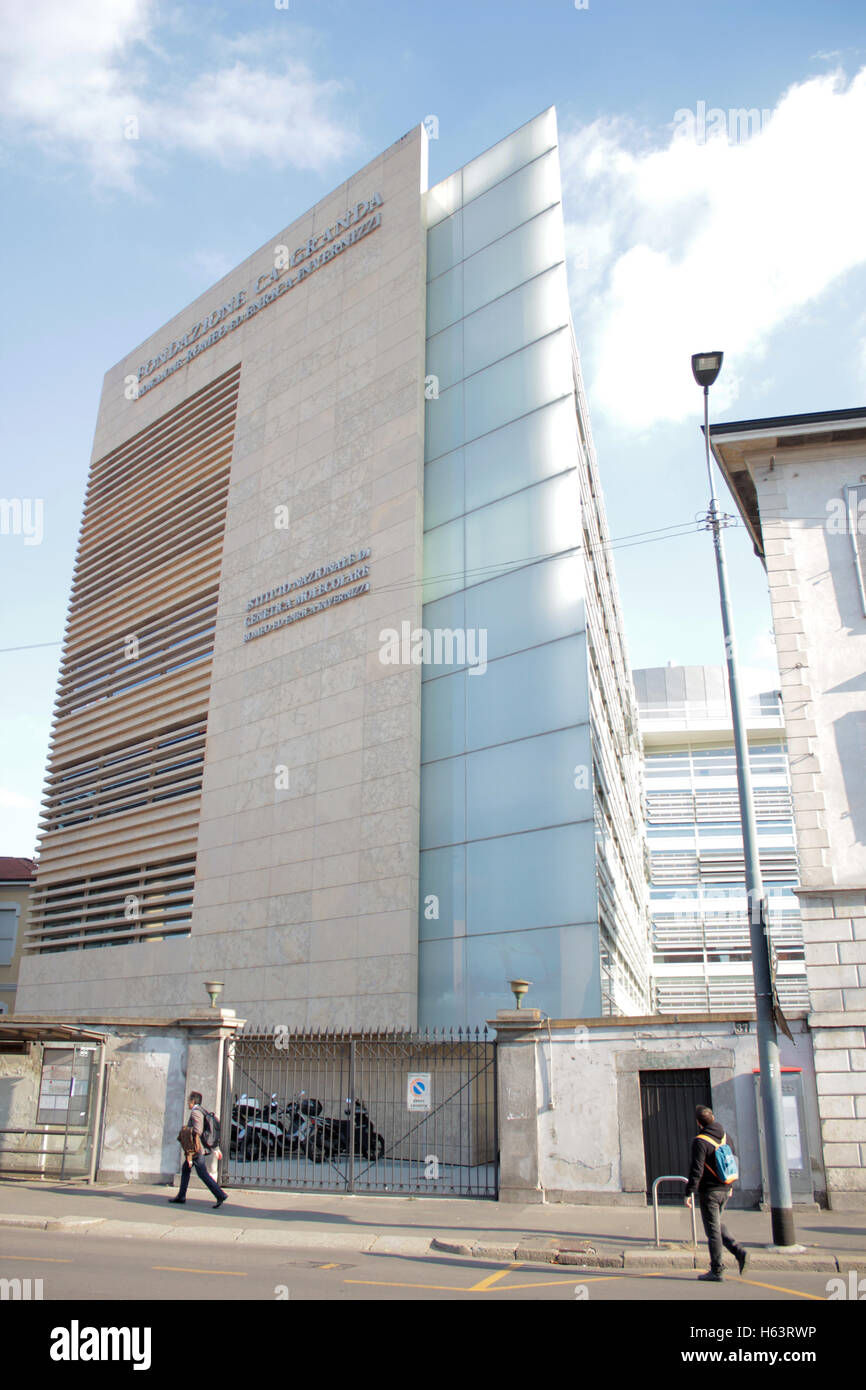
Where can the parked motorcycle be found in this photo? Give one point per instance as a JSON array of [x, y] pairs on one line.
[[244, 1110], [332, 1138], [258, 1131], [301, 1122]]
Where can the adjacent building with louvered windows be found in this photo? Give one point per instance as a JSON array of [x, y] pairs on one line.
[[272, 719], [700, 921]]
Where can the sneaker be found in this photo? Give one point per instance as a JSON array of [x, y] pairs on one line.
[[711, 1277], [177, 1201], [218, 1203], [742, 1257]]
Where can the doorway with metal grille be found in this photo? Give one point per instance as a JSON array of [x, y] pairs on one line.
[[386, 1112], [667, 1100]]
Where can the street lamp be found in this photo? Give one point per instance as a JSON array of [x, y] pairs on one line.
[[518, 989], [705, 368], [213, 988]]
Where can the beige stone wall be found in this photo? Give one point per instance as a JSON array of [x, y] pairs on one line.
[[306, 878]]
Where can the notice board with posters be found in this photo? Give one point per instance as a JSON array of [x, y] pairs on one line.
[[65, 1086]]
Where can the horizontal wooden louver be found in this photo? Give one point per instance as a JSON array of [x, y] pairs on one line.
[[160, 768], [123, 789], [164, 643], [145, 903]]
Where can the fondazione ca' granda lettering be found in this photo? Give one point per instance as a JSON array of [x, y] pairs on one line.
[[315, 252]]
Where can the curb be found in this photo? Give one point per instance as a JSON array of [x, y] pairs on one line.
[[528, 1252], [225, 1235], [649, 1258]]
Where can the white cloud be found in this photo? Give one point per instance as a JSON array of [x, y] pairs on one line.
[[75, 76], [702, 245], [241, 112]]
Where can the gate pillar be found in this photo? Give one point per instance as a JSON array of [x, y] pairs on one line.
[[208, 1066], [518, 1104]]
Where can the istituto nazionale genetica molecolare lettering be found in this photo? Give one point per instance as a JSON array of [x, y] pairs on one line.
[[340, 586], [315, 252]]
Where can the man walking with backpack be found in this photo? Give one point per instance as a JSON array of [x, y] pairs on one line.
[[199, 1137], [712, 1173]]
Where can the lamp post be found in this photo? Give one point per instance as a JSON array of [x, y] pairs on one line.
[[705, 368], [213, 989], [518, 989]]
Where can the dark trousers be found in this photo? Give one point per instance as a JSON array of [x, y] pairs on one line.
[[713, 1203], [201, 1168]]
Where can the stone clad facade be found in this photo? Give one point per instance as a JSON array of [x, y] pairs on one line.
[[303, 829], [799, 482]]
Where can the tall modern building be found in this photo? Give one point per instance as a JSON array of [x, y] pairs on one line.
[[275, 715], [700, 921]]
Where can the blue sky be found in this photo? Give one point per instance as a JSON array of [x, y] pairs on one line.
[[244, 114]]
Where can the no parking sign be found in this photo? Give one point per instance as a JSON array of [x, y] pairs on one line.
[[418, 1090]]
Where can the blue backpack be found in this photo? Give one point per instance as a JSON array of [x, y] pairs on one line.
[[726, 1167]]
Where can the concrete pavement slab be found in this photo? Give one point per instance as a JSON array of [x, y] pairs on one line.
[[595, 1236]]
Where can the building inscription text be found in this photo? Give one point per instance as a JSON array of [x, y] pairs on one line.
[[307, 594], [315, 252]]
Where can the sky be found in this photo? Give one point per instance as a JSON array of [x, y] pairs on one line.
[[148, 146]]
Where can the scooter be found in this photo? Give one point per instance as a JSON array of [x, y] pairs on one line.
[[332, 1137], [260, 1131], [301, 1123], [244, 1110]]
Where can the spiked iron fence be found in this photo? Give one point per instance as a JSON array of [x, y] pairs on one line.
[[388, 1112]]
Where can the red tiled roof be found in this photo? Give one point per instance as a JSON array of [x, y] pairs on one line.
[[21, 870]]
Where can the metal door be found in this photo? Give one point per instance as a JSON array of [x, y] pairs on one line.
[[668, 1100]]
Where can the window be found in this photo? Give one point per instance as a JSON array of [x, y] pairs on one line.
[[8, 932], [855, 503]]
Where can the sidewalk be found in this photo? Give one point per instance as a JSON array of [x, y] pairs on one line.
[[589, 1236]]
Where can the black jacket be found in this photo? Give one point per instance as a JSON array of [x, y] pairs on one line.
[[703, 1177]]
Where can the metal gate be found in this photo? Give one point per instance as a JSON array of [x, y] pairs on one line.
[[382, 1112], [667, 1102]]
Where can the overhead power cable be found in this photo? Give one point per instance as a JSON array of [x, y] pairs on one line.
[[660, 533]]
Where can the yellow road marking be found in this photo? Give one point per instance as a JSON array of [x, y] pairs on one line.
[[485, 1284], [43, 1259], [776, 1289], [180, 1269], [329, 1266], [493, 1279], [590, 1279]]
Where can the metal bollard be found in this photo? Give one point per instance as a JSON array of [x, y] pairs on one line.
[[672, 1177]]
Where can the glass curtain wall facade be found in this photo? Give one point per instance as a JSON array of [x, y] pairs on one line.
[[509, 875], [702, 960]]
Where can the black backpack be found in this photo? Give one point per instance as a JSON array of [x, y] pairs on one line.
[[211, 1133]]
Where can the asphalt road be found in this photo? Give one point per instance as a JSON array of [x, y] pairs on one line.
[[74, 1267]]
